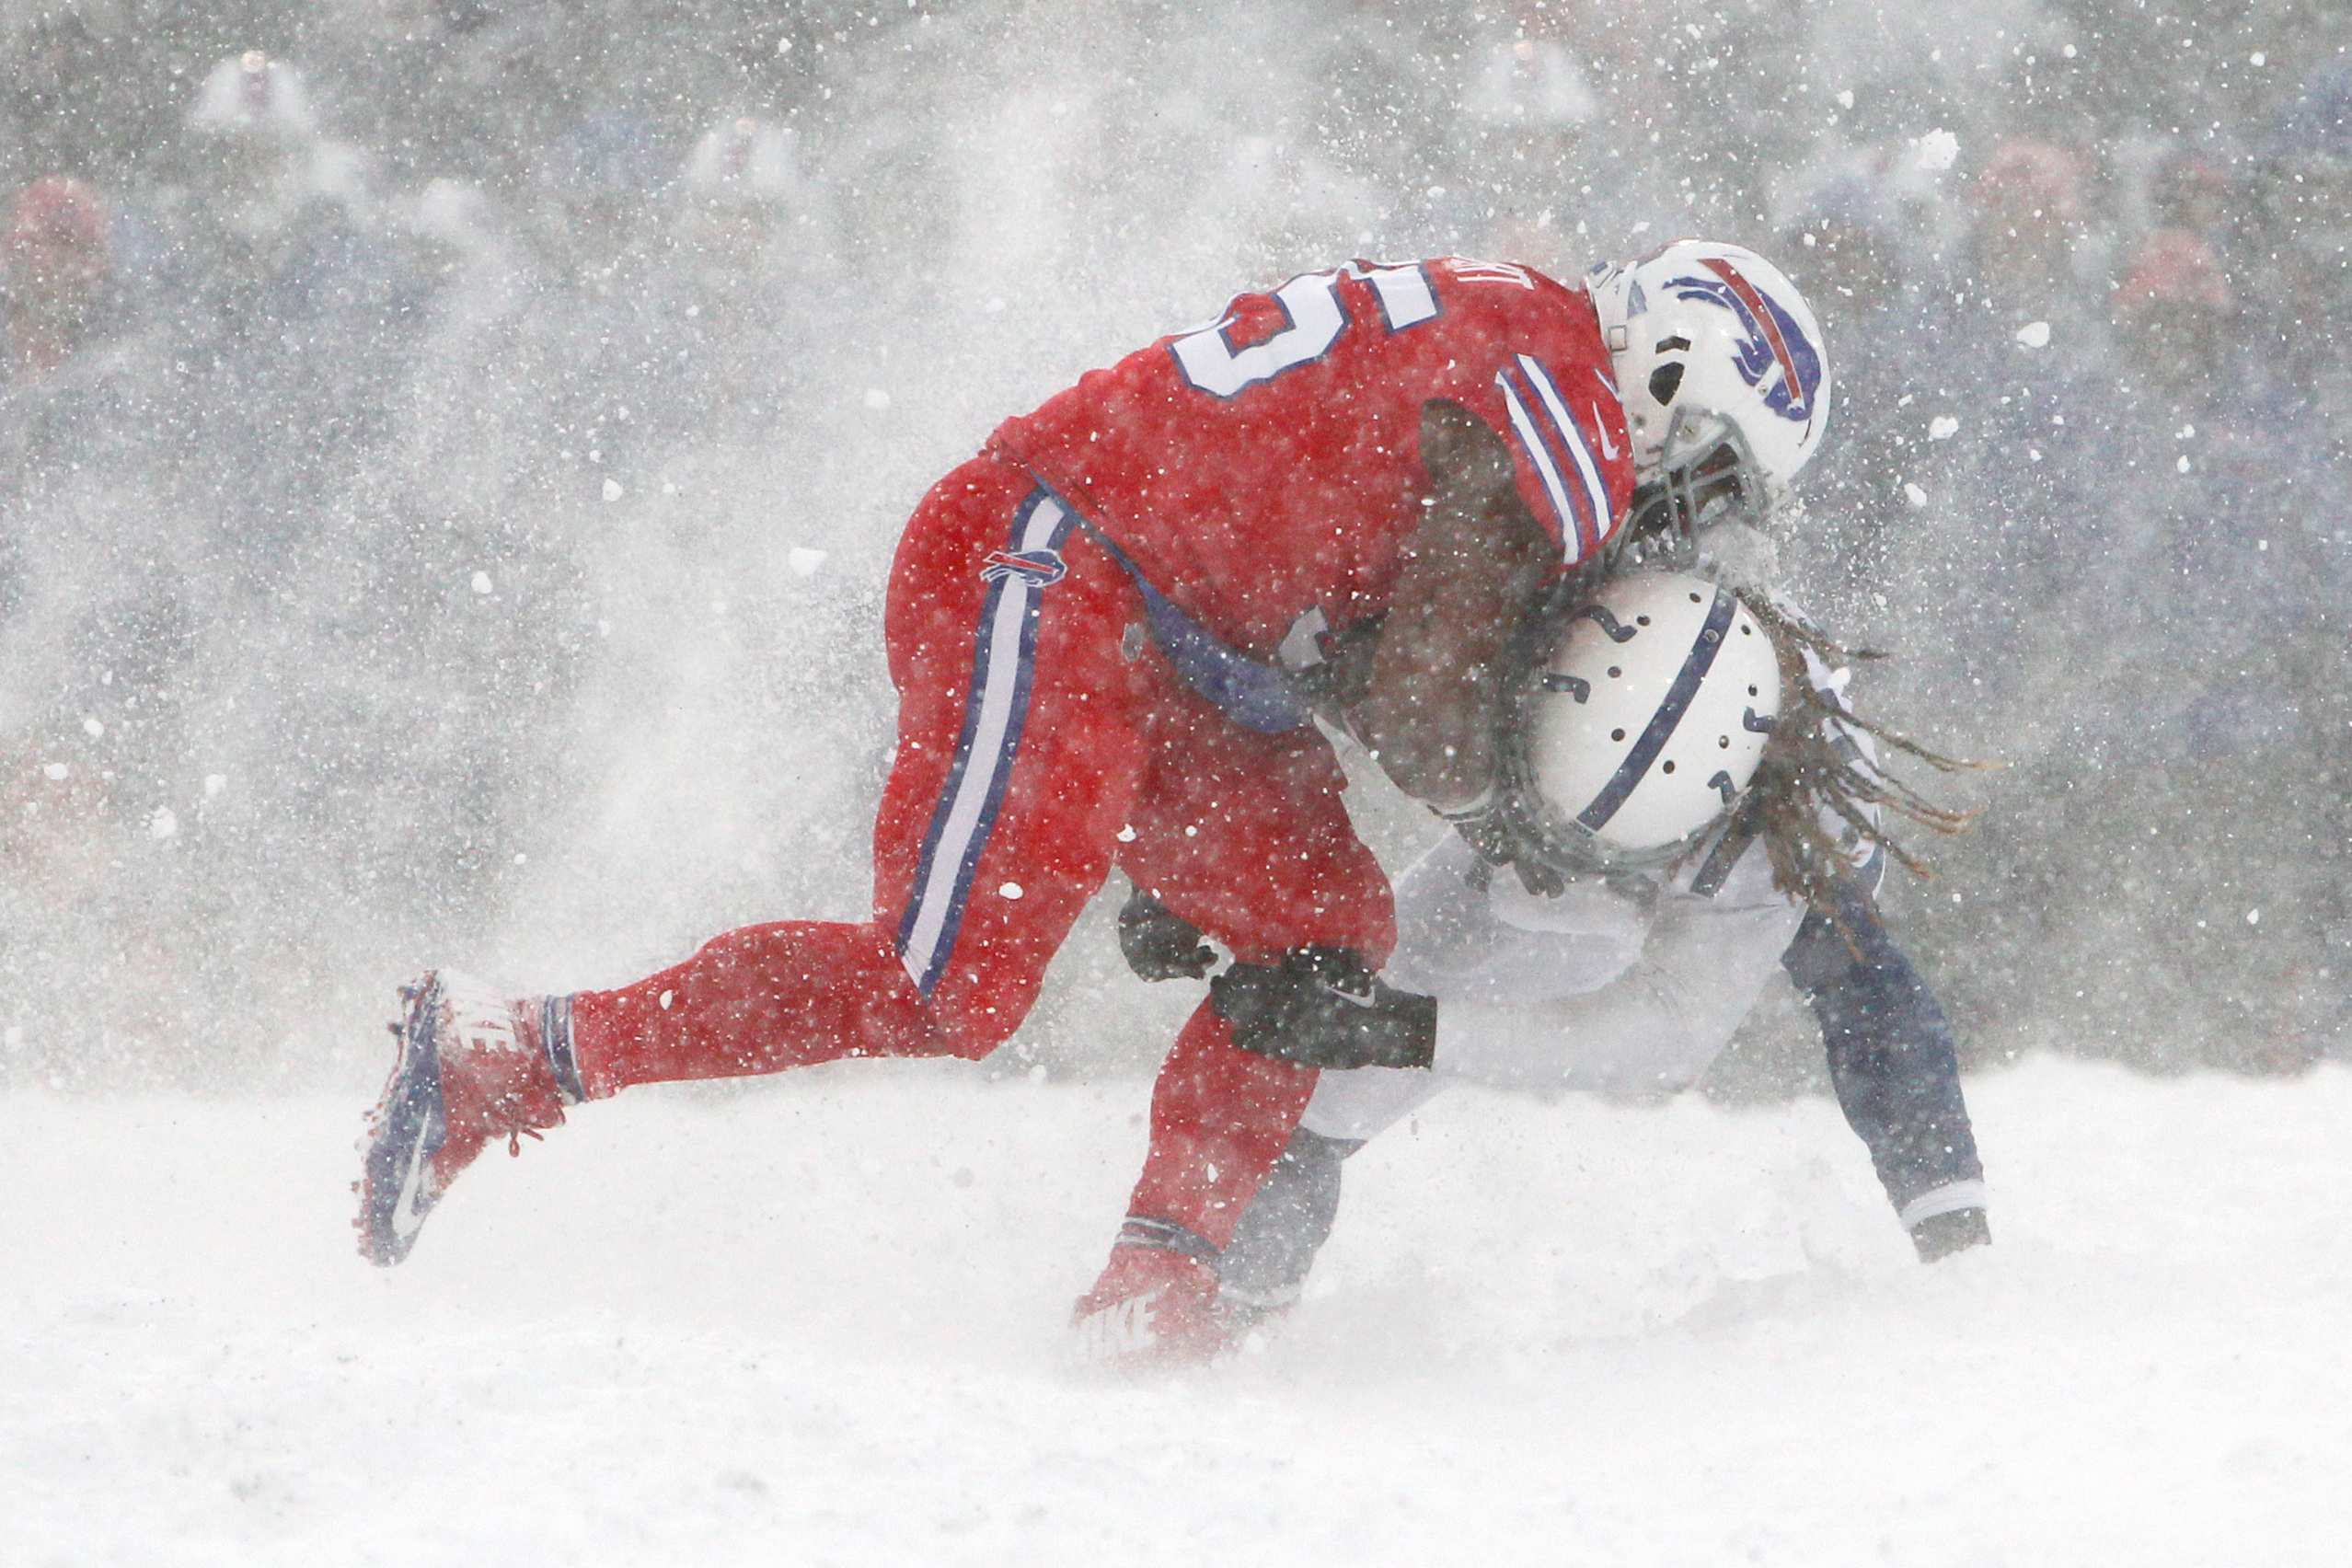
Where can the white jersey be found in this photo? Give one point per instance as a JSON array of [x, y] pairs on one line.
[[1630, 986]]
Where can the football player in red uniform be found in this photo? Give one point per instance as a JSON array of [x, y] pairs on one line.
[[1725, 395], [1110, 633]]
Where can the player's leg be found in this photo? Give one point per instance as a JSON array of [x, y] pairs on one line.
[[1247, 837], [1263, 1269], [1019, 747], [1221, 1117]]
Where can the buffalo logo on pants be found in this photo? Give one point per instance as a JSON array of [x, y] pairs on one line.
[[1039, 569]]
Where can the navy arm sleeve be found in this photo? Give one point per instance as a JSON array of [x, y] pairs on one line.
[[1891, 1055]]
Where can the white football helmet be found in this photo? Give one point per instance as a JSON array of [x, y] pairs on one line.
[[1725, 382], [1643, 725]]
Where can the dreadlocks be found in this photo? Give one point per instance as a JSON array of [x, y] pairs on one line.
[[1813, 777]]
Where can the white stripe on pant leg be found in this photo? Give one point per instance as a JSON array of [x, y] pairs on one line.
[[936, 897], [1573, 437], [1044, 520], [1542, 460]]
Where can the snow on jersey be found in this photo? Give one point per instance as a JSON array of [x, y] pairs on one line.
[[1269, 464]]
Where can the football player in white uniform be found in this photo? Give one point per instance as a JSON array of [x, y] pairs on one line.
[[1691, 805]]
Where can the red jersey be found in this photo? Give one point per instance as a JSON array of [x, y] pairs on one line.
[[1269, 464]]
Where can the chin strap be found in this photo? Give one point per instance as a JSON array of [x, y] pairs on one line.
[[1492, 831], [1610, 287]]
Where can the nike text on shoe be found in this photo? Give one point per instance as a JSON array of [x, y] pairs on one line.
[[473, 1066]]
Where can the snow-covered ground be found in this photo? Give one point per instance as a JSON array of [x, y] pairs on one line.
[[818, 1320]]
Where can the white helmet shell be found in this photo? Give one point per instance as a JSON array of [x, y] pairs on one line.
[[1703, 334], [1647, 721]]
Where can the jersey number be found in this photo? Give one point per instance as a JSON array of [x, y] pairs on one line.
[[1317, 315]]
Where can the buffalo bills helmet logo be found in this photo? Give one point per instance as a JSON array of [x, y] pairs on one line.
[[1774, 339], [1039, 569]]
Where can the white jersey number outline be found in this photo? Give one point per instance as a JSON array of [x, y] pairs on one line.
[[1317, 315]]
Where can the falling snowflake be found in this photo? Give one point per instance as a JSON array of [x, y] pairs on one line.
[[1936, 151]]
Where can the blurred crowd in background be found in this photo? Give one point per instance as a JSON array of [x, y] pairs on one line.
[[434, 433]]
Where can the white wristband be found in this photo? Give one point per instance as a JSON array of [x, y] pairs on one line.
[[1946, 1199]]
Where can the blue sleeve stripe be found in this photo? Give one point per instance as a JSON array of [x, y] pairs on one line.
[[1571, 436], [1565, 522]]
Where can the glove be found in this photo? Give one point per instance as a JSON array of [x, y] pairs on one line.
[[1160, 944], [1494, 836], [1941, 1235], [1343, 675], [1324, 1008]]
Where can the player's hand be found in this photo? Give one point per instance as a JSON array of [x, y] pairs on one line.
[[1941, 1235], [1343, 676], [1160, 944], [1324, 1008], [1496, 839]]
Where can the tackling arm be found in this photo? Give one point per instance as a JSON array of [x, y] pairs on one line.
[[1895, 1071], [1468, 572]]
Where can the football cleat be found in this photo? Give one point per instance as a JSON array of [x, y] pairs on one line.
[[472, 1066], [1152, 1308]]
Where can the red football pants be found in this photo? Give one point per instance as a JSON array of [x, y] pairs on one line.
[[1041, 740]]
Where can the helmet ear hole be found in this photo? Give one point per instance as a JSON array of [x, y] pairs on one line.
[[1665, 381]]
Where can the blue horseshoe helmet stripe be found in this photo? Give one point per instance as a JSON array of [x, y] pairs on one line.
[[1636, 765]]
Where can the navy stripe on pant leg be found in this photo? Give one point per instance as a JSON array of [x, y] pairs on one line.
[[995, 712]]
